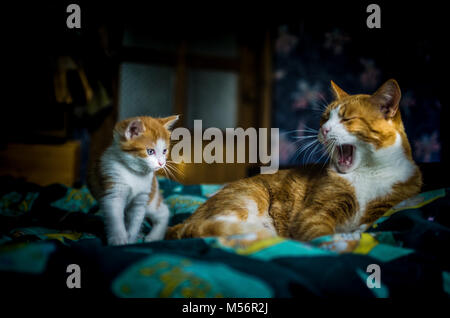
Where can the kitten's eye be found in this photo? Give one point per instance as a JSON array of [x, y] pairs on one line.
[[150, 151], [164, 151]]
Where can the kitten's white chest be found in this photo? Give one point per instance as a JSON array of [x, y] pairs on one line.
[[119, 173], [139, 184], [136, 183]]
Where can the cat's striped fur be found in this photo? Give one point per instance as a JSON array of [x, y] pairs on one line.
[[371, 169]]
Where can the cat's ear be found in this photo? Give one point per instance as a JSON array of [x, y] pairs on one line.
[[338, 92], [134, 128], [169, 122], [387, 98]]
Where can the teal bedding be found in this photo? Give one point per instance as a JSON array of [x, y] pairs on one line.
[[45, 229]]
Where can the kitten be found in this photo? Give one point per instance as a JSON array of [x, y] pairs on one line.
[[124, 181], [370, 170]]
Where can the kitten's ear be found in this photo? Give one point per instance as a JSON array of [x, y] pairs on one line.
[[131, 128], [387, 98], [338, 92], [168, 122]]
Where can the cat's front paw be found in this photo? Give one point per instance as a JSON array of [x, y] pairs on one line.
[[361, 228], [117, 240]]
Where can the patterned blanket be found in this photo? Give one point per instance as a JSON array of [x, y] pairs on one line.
[[43, 230]]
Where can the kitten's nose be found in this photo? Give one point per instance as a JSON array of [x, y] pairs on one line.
[[161, 163]]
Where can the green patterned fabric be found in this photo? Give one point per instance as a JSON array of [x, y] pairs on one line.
[[44, 229]]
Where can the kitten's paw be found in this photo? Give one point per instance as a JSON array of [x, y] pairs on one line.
[[152, 238], [117, 240]]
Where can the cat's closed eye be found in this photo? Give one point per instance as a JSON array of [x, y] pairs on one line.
[[347, 119]]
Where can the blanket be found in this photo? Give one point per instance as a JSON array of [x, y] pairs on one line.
[[45, 230]]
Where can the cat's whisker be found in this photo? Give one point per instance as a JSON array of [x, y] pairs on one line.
[[309, 129], [333, 150], [305, 137], [304, 148], [326, 149], [328, 152], [304, 132], [324, 153], [319, 108], [313, 152], [288, 132]]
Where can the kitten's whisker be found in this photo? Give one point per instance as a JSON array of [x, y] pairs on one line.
[[172, 166], [171, 176], [174, 169], [165, 172]]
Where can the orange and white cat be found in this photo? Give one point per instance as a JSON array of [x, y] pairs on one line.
[[370, 170], [124, 182]]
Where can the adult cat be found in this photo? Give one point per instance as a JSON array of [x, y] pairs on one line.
[[370, 170]]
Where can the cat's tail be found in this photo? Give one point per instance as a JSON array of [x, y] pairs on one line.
[[208, 228], [173, 232]]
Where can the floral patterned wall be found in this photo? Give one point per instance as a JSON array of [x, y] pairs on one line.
[[305, 61]]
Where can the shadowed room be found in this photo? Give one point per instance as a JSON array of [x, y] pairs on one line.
[[81, 76]]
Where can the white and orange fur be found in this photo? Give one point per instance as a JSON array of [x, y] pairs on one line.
[[370, 170], [123, 180]]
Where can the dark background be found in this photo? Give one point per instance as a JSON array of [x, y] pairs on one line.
[[311, 45]]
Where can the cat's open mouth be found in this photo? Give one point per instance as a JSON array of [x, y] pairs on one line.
[[345, 154]]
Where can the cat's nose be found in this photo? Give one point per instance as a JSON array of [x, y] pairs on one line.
[[324, 131], [161, 163]]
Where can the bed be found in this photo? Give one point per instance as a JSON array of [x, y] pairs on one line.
[[45, 229]]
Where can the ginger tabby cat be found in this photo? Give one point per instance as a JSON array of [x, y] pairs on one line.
[[370, 170]]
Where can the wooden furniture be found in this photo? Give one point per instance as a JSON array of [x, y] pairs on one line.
[[251, 65], [43, 164]]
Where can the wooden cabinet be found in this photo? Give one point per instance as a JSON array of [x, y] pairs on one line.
[[211, 78], [43, 164]]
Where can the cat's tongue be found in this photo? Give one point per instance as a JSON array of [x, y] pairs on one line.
[[346, 155]]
